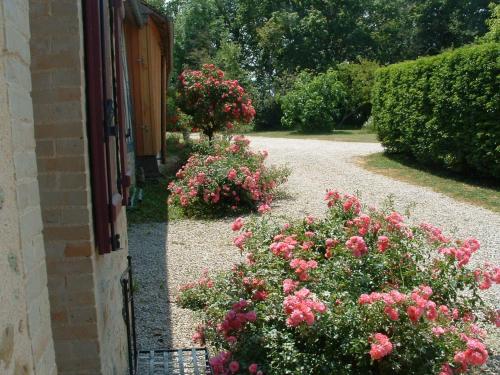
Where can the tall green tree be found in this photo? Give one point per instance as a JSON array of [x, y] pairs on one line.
[[265, 43], [199, 33], [443, 24], [493, 34]]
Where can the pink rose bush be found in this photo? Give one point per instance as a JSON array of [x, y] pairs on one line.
[[213, 102], [360, 291], [225, 176]]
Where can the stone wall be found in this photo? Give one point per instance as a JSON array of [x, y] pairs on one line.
[[84, 287], [26, 345]]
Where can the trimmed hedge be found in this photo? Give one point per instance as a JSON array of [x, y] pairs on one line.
[[443, 109]]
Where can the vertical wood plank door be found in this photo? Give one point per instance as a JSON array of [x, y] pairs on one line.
[[135, 63], [145, 56], [155, 54], [145, 94]]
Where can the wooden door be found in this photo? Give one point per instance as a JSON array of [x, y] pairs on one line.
[[155, 89]]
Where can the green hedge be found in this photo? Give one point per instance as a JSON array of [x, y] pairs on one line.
[[443, 109]]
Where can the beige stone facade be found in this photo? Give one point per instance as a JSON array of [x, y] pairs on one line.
[[84, 287], [60, 301], [26, 345]]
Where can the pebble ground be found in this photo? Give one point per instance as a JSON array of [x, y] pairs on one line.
[[168, 256]]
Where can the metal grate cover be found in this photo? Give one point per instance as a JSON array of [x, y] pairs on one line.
[[174, 362]]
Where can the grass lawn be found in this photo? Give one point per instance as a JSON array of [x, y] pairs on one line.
[[154, 207], [484, 193], [344, 135]]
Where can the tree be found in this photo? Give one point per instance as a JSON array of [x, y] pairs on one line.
[[493, 35], [159, 5], [262, 42], [441, 24], [213, 102], [358, 79], [199, 33], [315, 102], [314, 35]]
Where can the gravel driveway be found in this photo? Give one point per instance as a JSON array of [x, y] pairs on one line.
[[192, 246]]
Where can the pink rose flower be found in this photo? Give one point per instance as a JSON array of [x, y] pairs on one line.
[[237, 224], [263, 208]]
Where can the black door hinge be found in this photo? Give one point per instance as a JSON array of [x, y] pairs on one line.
[[115, 242], [111, 129]]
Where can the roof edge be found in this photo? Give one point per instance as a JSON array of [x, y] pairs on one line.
[[135, 7], [150, 10]]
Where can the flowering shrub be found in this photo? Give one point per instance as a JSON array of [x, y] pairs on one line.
[[213, 102], [357, 292], [225, 175]]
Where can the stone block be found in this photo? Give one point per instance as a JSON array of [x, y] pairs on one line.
[[17, 14], [47, 181], [23, 137], [33, 253], [54, 250], [59, 316], [51, 26], [54, 61], [69, 77], [85, 298], [66, 43], [40, 80], [76, 215], [25, 163], [68, 233], [82, 315], [46, 364], [73, 181], [55, 130], [17, 72], [58, 112], [62, 164], [27, 195], [53, 199], [52, 216], [45, 148], [41, 343], [80, 249], [73, 146], [79, 282], [71, 266], [88, 349], [39, 9], [30, 224], [44, 95], [75, 332], [20, 105], [35, 284], [17, 45]]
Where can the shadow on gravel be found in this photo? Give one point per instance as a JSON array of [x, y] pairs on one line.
[[147, 243]]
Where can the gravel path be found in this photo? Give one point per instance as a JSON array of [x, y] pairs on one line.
[[193, 246]]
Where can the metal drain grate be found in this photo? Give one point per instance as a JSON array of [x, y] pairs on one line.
[[174, 362], [157, 362]]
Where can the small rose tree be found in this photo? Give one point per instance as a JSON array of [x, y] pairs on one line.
[[213, 102], [359, 291], [225, 176]]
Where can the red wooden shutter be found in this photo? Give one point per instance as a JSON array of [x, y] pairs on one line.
[[105, 120], [125, 173]]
